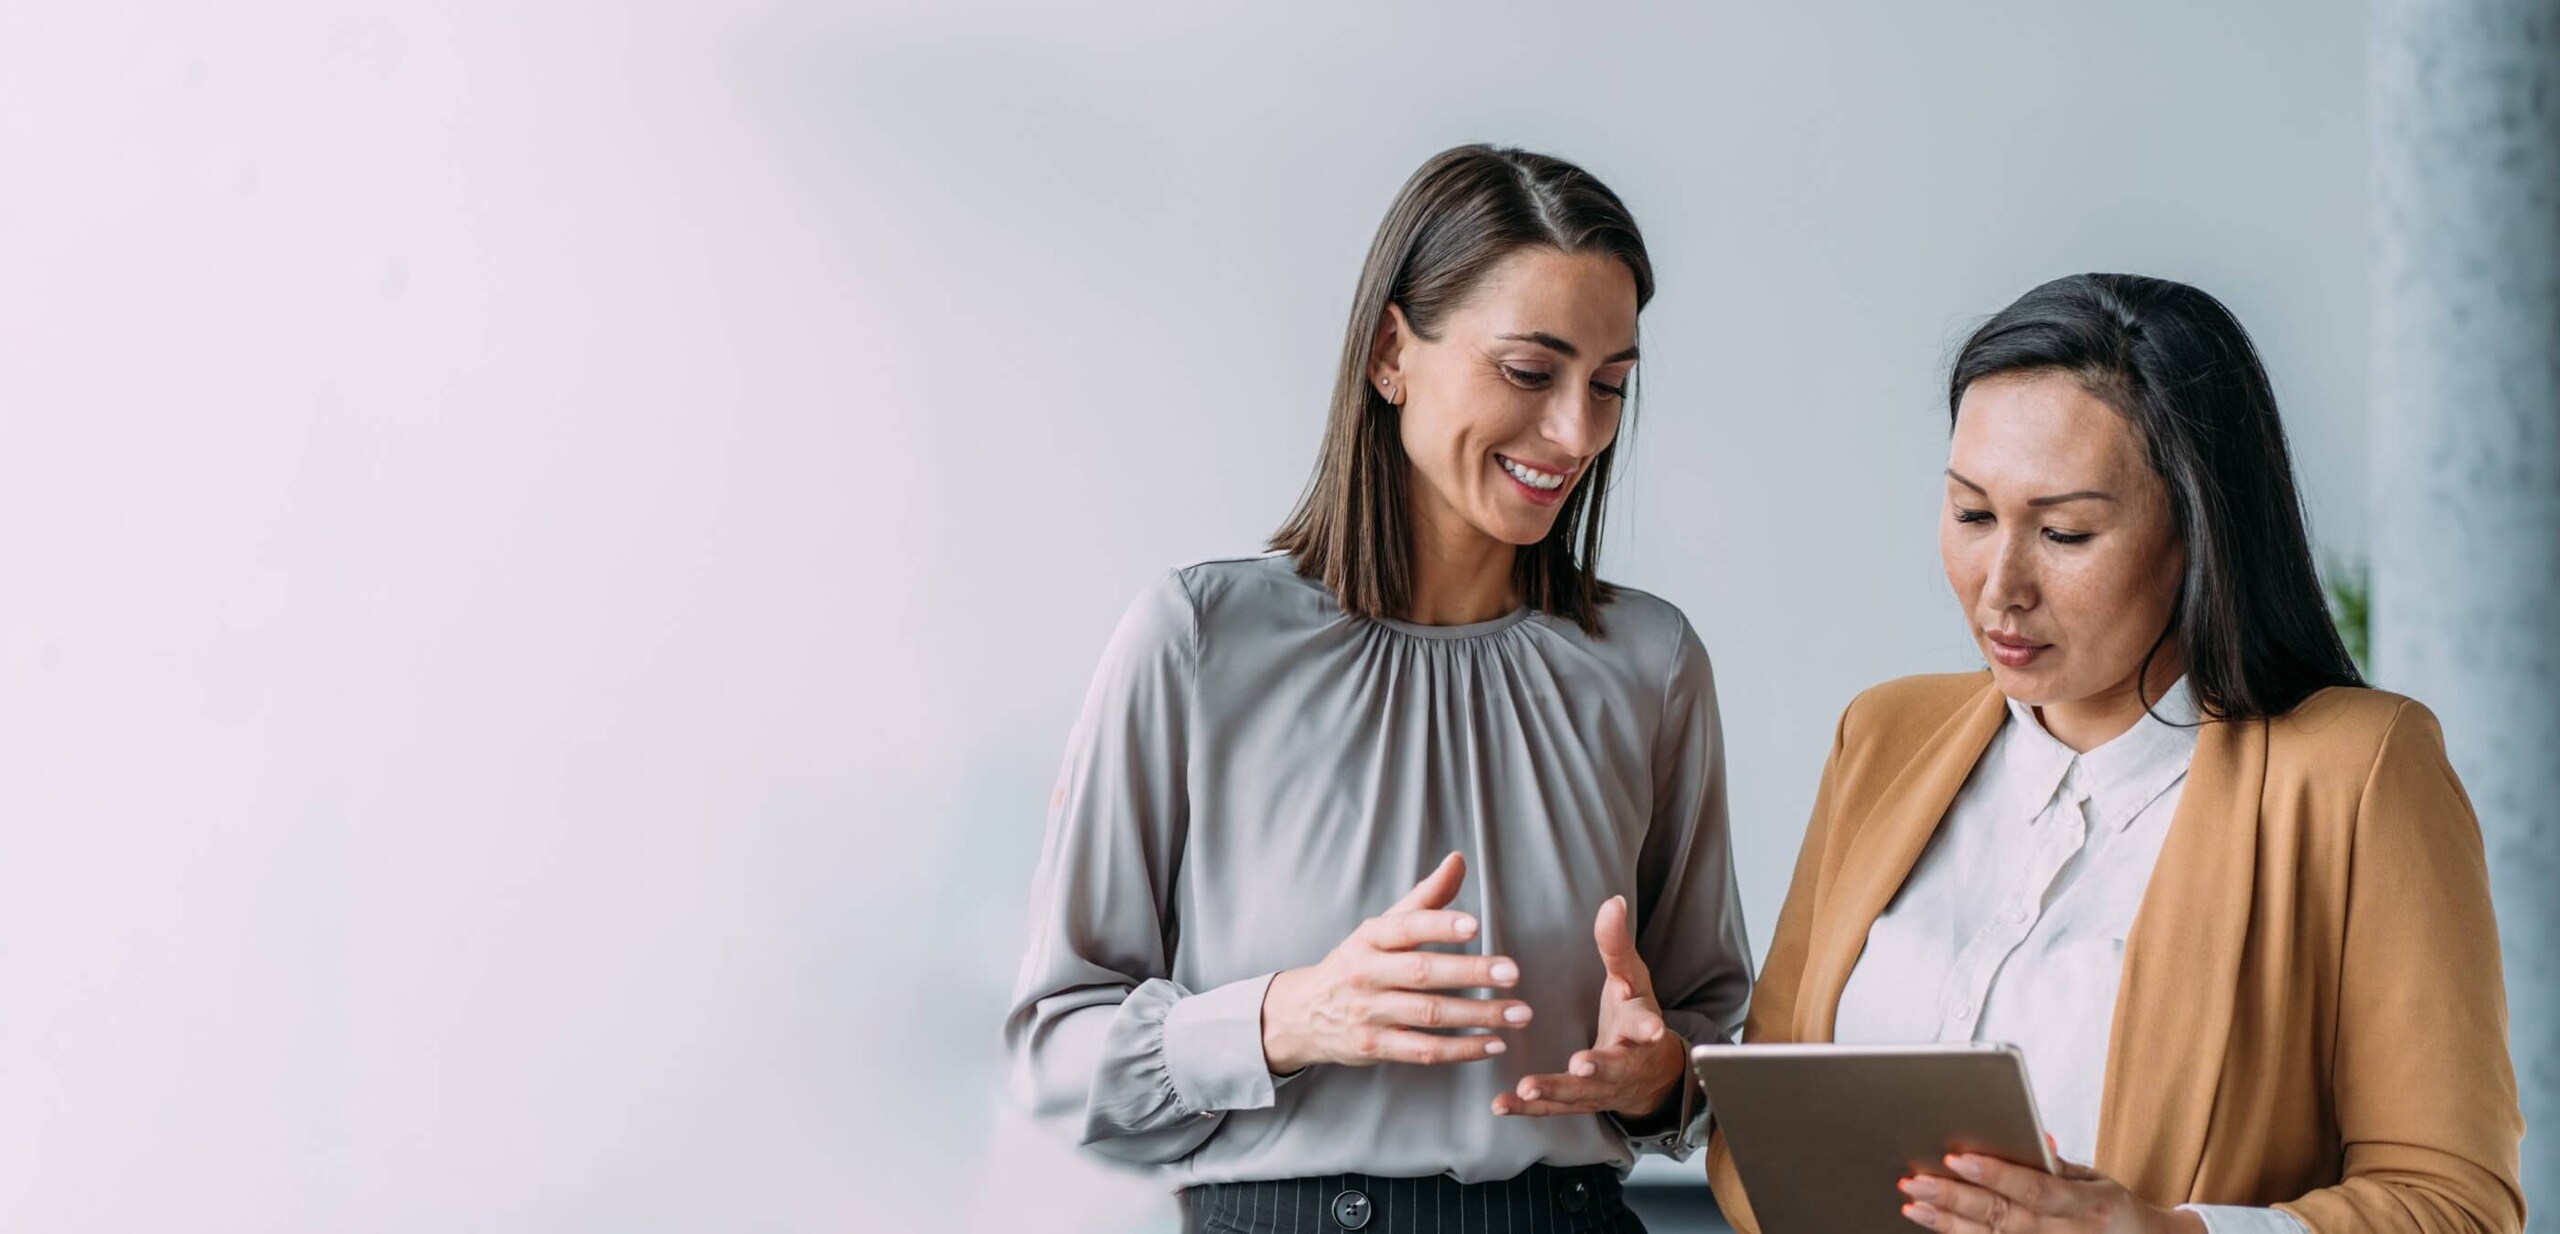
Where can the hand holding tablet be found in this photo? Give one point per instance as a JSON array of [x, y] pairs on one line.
[[1822, 1135]]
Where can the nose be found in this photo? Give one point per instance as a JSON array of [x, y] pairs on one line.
[[1582, 424], [2011, 582]]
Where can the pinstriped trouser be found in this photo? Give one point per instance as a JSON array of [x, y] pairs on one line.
[[1539, 1200]]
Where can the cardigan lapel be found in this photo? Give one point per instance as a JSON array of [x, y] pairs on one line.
[[1882, 851], [2174, 1005]]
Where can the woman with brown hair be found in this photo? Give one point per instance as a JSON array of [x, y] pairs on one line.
[[1387, 874], [2230, 903]]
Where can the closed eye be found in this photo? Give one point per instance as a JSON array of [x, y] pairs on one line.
[[1609, 391], [1972, 516], [1524, 378]]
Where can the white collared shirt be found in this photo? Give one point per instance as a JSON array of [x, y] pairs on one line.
[[2011, 926]]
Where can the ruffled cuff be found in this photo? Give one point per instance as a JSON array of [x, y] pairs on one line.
[[1212, 1044]]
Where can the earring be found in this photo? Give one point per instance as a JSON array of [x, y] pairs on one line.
[[1388, 388]]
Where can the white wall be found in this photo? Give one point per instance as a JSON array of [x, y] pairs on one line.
[[546, 552]]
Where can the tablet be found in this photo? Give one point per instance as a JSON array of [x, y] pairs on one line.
[[1822, 1133]]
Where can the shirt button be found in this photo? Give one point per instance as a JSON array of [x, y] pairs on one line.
[[1577, 1196], [1351, 1210]]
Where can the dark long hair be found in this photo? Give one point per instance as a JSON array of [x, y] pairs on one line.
[[2173, 362], [1458, 217]]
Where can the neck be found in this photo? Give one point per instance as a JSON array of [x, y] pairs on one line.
[[2087, 723], [1460, 575]]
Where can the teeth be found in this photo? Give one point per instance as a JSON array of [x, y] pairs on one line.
[[1532, 477]]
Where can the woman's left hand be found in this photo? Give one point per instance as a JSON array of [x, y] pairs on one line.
[[1635, 1063], [1990, 1196]]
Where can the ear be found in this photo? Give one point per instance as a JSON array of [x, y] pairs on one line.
[[1386, 353]]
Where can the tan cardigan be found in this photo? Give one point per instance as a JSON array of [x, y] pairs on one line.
[[2311, 1014]]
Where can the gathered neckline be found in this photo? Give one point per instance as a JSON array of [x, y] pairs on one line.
[[1473, 629]]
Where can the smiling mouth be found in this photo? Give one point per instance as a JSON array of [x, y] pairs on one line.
[[1542, 481]]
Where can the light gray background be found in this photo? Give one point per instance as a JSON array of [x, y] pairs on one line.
[[547, 552]]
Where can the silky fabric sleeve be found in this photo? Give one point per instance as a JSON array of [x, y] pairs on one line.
[[1773, 997], [2424, 1088], [1688, 911], [1102, 1041]]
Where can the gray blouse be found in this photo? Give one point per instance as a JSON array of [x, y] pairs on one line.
[[1256, 772]]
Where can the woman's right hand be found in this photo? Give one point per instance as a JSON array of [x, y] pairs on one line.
[[1365, 1003]]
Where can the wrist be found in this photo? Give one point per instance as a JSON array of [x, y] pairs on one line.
[[1279, 1046], [1662, 1102], [2184, 1221]]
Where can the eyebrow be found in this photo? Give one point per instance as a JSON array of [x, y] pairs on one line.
[[2086, 494], [1568, 350]]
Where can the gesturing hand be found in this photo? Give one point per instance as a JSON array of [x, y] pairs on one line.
[[1635, 1062], [1364, 1004]]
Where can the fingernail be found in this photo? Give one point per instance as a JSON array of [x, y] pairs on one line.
[[1495, 1046], [1919, 1188], [1529, 1094], [1506, 972], [1921, 1213], [1966, 1166], [1517, 1015], [1466, 927], [1583, 1070]]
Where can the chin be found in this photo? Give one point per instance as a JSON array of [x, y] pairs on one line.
[[2034, 685], [1516, 532]]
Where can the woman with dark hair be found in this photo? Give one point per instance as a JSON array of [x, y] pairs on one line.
[[1387, 875], [2231, 904]]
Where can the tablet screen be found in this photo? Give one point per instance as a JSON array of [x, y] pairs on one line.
[[1820, 1134]]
